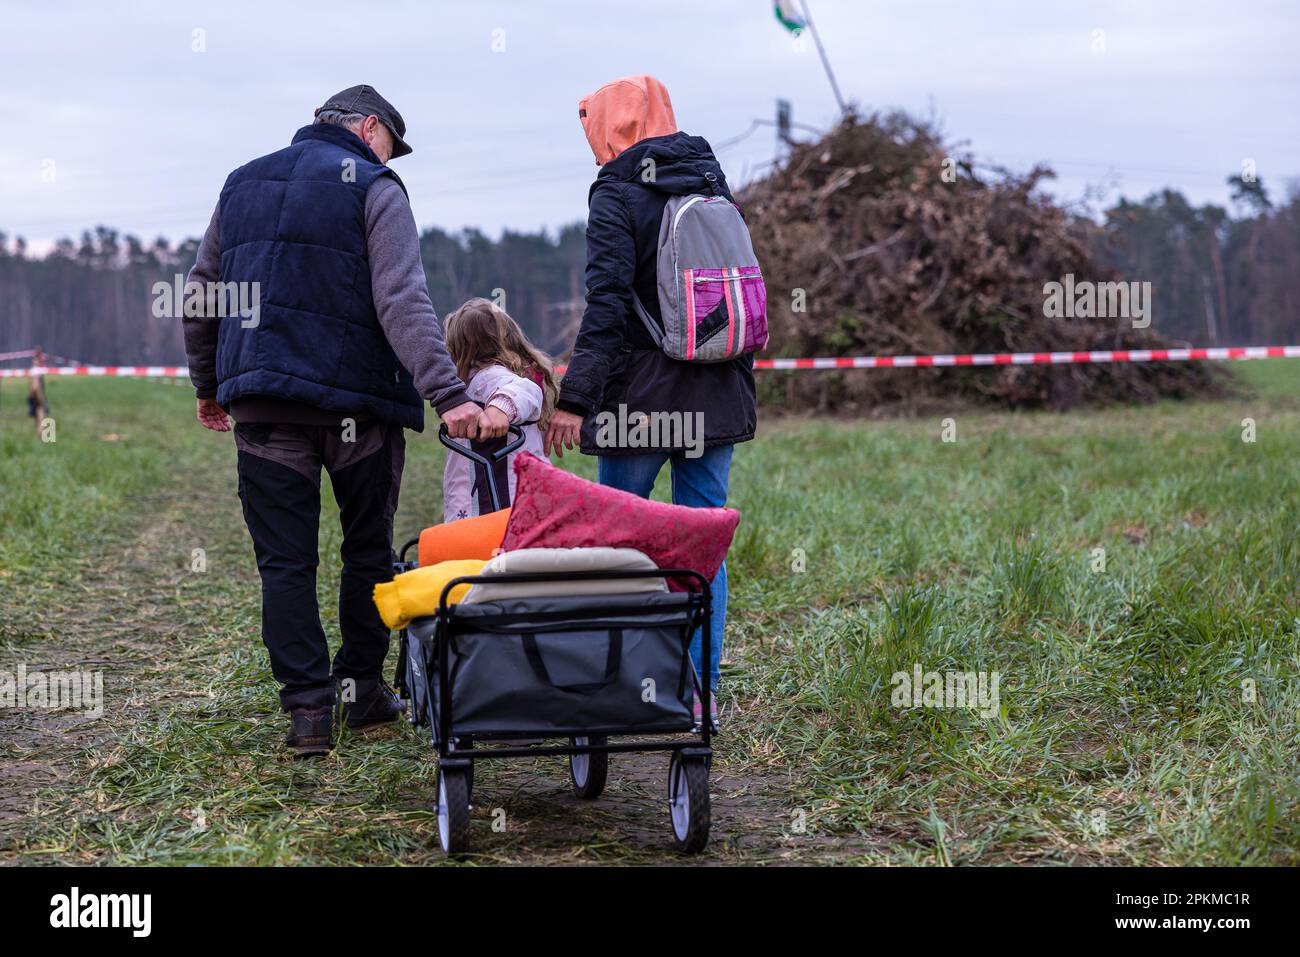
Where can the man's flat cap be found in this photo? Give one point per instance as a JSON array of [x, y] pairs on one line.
[[364, 100]]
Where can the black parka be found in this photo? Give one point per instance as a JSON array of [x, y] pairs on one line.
[[614, 359]]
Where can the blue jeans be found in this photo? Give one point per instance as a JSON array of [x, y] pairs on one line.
[[697, 483]]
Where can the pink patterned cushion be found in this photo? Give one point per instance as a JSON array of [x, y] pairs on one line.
[[556, 509]]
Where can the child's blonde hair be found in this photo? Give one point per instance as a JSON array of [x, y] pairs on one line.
[[480, 333]]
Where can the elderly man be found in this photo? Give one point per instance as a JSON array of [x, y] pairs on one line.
[[331, 364]]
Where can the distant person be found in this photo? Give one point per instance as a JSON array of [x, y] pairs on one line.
[[335, 362], [514, 382], [38, 407], [644, 161]]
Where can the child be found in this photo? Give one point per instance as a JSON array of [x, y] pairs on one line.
[[506, 374]]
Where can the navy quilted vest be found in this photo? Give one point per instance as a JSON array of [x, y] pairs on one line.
[[294, 222]]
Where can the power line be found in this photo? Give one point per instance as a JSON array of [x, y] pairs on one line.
[[757, 124]]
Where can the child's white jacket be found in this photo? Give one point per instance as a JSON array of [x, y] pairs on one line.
[[518, 398]]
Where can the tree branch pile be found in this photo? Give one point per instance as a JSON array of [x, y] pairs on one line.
[[876, 240]]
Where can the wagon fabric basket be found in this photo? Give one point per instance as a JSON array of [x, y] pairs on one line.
[[560, 665]]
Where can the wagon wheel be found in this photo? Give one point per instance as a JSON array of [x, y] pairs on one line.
[[688, 802], [589, 771], [453, 810], [466, 744]]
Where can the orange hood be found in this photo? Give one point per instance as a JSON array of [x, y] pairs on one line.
[[623, 112]]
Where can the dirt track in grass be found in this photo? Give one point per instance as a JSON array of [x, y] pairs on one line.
[[1147, 710], [164, 638]]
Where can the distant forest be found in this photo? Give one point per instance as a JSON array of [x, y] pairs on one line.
[[92, 300], [1217, 278]]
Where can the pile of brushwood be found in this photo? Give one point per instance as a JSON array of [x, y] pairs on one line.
[[878, 240]]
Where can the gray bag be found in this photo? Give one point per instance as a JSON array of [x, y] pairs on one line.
[[711, 292], [561, 665]]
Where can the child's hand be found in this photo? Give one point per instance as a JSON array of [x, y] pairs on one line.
[[492, 423]]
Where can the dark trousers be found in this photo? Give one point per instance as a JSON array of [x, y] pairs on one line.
[[279, 485]]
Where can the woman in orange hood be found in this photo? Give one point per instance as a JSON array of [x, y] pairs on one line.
[[644, 161], [623, 113]]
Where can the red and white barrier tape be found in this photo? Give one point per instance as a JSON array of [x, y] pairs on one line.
[[136, 371], [1034, 358], [853, 362]]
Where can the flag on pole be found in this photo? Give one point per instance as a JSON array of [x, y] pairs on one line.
[[788, 17]]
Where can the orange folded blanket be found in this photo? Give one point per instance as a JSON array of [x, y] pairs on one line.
[[477, 537]]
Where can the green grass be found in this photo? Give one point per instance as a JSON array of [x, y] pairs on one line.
[[1147, 710]]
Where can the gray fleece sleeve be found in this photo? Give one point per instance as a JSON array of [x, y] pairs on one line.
[[201, 331], [402, 296]]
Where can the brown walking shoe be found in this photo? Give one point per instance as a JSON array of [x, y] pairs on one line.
[[312, 731], [375, 705]]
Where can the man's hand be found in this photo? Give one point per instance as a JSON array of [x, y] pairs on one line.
[[463, 421], [562, 433], [212, 416], [492, 423]]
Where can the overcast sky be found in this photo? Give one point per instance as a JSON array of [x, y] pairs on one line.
[[139, 130]]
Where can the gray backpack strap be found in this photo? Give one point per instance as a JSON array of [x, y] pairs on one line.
[[652, 327]]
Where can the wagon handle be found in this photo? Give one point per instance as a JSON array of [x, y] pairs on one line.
[[485, 461], [401, 556]]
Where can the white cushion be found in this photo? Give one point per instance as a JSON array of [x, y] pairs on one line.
[[565, 560]]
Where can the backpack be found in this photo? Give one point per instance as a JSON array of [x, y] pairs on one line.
[[711, 292]]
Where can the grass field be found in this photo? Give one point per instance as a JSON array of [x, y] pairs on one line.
[[1146, 714]]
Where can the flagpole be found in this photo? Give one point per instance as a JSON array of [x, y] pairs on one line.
[[830, 74]]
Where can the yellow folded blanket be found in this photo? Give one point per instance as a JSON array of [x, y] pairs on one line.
[[415, 593]]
